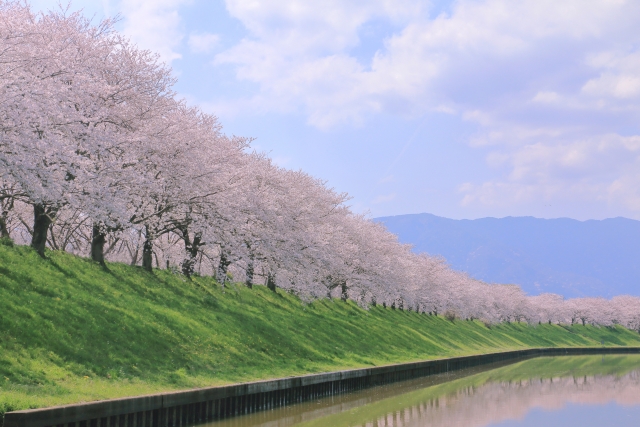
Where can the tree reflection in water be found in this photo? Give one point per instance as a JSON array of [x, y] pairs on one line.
[[471, 398]]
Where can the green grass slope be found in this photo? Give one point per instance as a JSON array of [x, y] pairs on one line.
[[73, 331]]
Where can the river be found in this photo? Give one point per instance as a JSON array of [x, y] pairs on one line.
[[543, 391]]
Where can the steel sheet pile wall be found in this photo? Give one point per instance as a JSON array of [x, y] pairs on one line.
[[187, 407]]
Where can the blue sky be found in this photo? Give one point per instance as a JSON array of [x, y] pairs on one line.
[[463, 109]]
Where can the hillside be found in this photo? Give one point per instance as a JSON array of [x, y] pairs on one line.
[[563, 256], [73, 331]]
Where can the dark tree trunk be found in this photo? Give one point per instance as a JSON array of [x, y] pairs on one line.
[[42, 218], [249, 272], [249, 280], [4, 231], [147, 252], [191, 248], [7, 205], [344, 295], [98, 239], [222, 268], [134, 258], [271, 282], [330, 285]]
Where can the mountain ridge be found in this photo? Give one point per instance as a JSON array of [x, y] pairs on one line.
[[565, 256]]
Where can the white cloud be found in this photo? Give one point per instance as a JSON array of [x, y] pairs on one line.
[[603, 168], [154, 25], [151, 24], [203, 43], [316, 27], [614, 85], [551, 86], [299, 53], [618, 76]]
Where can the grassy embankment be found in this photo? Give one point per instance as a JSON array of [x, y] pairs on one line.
[[73, 331]]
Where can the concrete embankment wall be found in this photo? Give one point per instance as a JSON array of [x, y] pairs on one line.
[[187, 407]]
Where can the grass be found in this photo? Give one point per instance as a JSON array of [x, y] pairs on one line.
[[72, 331]]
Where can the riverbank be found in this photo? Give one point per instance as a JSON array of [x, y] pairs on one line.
[[195, 406], [72, 331]]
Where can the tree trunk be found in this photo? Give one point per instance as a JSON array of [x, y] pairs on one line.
[[7, 205], [191, 248], [147, 252], [134, 258], [249, 280], [249, 272], [4, 231], [42, 218], [221, 274], [98, 239], [187, 264], [271, 282], [344, 295]]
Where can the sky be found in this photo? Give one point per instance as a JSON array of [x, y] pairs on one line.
[[462, 109]]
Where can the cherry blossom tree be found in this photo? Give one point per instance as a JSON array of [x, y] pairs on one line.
[[99, 157]]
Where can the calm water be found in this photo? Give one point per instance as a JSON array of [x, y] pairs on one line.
[[547, 391]]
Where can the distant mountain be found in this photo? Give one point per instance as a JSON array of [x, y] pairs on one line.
[[563, 256]]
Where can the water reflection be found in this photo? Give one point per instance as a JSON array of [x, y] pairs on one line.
[[509, 395]]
